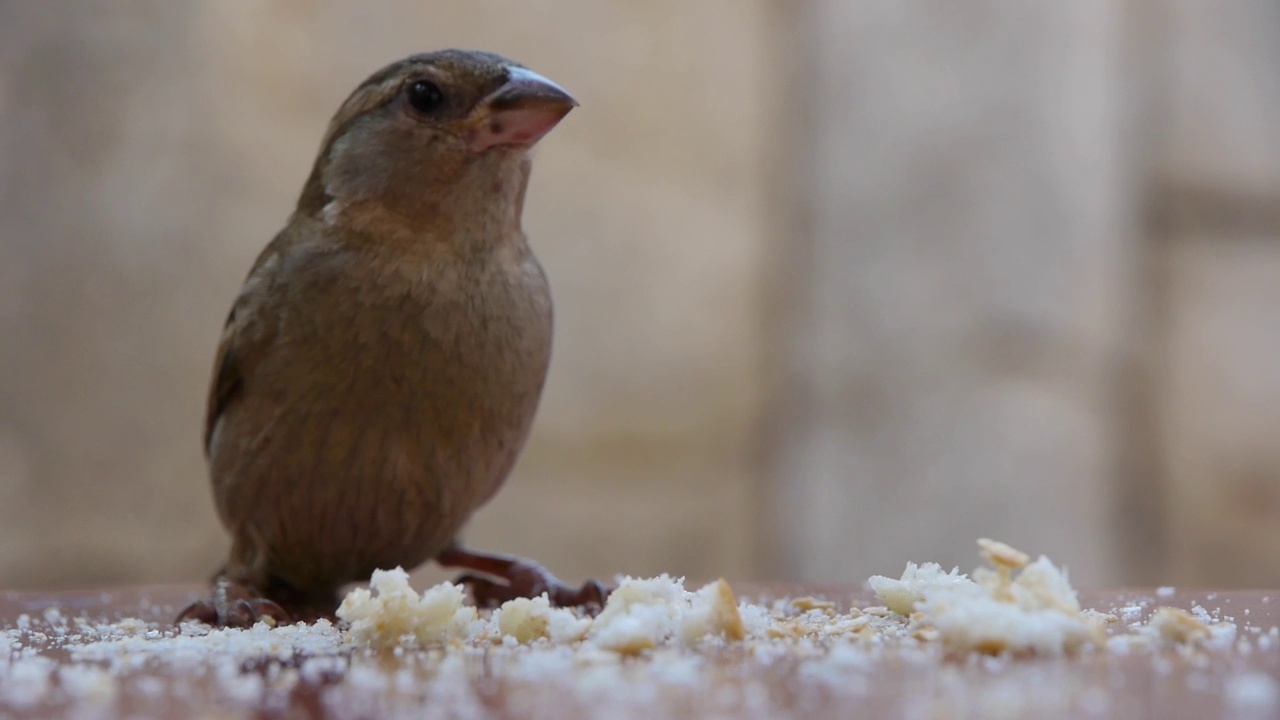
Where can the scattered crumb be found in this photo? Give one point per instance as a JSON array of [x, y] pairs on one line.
[[1177, 625], [1013, 605], [1253, 693], [398, 650], [1130, 613], [805, 604]]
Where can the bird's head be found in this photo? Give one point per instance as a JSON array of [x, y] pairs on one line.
[[433, 141]]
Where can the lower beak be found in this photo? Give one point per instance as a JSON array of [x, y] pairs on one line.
[[520, 112]]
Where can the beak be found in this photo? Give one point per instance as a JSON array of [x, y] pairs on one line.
[[520, 112]]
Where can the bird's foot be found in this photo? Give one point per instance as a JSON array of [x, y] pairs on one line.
[[533, 581], [498, 578], [234, 605]]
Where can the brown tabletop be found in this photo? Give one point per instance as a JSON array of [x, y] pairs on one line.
[[53, 668]]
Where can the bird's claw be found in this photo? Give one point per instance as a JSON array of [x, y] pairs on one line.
[[232, 605], [495, 579], [527, 581]]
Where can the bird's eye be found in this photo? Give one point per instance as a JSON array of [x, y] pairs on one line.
[[424, 96]]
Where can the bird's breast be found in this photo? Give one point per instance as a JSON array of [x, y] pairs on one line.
[[447, 361]]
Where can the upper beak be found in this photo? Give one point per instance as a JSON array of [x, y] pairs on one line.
[[520, 112]]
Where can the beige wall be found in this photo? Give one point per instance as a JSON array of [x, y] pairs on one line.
[[838, 284], [953, 356], [1217, 231]]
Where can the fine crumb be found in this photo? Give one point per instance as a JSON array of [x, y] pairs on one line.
[[804, 604], [1130, 613], [28, 681], [1177, 626], [88, 682], [1165, 591], [1252, 693], [398, 651], [1012, 605]]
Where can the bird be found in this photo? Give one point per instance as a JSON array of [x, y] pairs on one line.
[[380, 369]]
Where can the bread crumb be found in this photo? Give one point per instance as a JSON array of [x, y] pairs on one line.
[[530, 619], [1177, 626], [1012, 605], [998, 554], [390, 610], [639, 614], [901, 595], [399, 651], [805, 604], [713, 612], [1036, 611]]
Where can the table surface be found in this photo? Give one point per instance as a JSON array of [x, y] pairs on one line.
[[41, 678]]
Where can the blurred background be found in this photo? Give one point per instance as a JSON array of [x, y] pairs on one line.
[[840, 283]]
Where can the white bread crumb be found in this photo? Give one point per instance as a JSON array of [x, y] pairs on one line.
[[555, 658], [639, 615], [713, 612], [1176, 626], [995, 612], [530, 619], [390, 610], [1013, 605], [901, 595], [999, 554]]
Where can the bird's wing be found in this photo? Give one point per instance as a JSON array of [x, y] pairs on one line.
[[246, 336]]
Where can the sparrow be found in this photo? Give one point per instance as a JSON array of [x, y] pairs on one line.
[[379, 370]]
